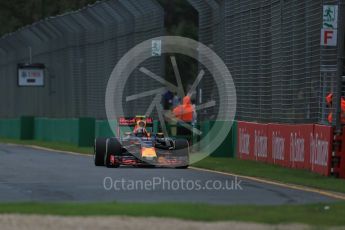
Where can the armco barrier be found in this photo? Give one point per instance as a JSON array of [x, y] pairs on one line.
[[295, 146], [58, 130], [77, 131], [22, 128], [10, 128], [279, 144], [299, 147], [228, 146], [27, 127], [86, 135], [245, 134], [339, 168], [252, 141], [103, 128], [82, 131], [289, 145], [321, 149]]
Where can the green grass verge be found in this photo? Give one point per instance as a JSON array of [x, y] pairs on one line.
[[273, 172], [315, 214], [52, 145]]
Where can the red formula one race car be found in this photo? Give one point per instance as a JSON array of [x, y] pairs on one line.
[[140, 147]]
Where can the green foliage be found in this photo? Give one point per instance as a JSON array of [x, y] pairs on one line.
[[180, 16], [181, 19], [15, 14]]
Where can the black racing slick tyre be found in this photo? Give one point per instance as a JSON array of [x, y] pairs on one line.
[[182, 150], [99, 151], [181, 147], [113, 148]]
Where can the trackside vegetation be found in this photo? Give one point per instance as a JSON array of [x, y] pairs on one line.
[[314, 214], [272, 172]]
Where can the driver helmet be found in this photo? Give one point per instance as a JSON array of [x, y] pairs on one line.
[[141, 127]]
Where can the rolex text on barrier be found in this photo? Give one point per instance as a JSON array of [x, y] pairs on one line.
[[305, 146]]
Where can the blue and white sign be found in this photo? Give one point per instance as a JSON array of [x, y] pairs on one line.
[[30, 75]]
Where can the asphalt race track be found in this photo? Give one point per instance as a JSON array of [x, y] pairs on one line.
[[28, 174]]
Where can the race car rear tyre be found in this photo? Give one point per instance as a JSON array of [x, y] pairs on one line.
[[181, 147], [113, 148], [182, 167], [182, 150], [99, 151]]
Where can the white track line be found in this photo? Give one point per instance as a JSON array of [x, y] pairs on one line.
[[334, 195]]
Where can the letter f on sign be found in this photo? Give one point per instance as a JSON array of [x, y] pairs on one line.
[[328, 35]]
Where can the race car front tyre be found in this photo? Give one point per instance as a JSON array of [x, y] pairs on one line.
[[99, 151], [113, 149], [182, 150]]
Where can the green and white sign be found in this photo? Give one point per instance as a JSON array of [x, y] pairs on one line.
[[330, 17], [156, 48], [329, 31]]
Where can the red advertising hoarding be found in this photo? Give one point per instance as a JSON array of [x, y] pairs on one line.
[[252, 141], [243, 141], [289, 145], [260, 145], [279, 144], [299, 146], [321, 149], [304, 146]]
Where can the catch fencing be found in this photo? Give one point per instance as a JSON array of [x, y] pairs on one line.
[[272, 49], [79, 51]]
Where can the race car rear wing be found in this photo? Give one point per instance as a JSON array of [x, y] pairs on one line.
[[132, 121]]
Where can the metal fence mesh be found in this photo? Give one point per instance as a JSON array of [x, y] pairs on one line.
[[272, 49], [79, 50]]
